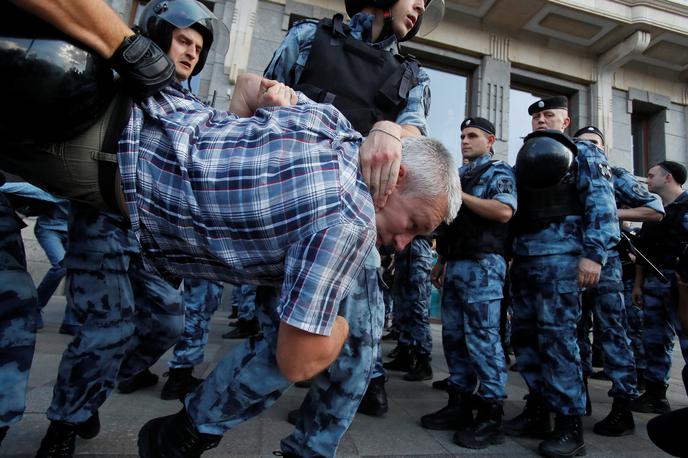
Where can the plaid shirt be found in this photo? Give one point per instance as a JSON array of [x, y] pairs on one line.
[[275, 199]]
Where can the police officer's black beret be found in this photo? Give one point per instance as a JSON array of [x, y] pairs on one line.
[[549, 103], [678, 171], [479, 123], [590, 130]]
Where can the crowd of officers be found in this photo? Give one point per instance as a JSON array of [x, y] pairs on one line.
[[547, 240]]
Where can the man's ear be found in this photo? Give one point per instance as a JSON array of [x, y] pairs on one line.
[[403, 176]]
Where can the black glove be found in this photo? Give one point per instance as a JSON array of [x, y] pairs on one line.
[[144, 68]]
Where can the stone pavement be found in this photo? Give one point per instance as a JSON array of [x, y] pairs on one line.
[[398, 434]]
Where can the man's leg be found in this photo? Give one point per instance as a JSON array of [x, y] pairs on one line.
[[53, 243], [334, 396], [18, 315], [246, 324], [634, 330]]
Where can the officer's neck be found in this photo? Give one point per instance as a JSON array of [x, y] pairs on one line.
[[378, 22]]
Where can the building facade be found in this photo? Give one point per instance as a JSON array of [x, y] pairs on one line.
[[623, 64]]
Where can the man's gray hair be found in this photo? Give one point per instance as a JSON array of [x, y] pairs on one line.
[[432, 171]]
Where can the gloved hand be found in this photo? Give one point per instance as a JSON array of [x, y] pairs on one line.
[[144, 68]]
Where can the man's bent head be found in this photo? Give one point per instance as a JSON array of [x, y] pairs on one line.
[[428, 192]]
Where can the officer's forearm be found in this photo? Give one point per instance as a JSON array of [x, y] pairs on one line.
[[91, 22], [302, 355], [639, 214], [487, 208]]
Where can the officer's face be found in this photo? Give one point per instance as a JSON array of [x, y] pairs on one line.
[[556, 119], [405, 216], [656, 179], [475, 142], [405, 14], [184, 51], [594, 139]]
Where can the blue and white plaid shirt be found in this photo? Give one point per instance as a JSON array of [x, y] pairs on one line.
[[275, 199]]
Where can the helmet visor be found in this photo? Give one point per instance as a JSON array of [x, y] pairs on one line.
[[434, 12]]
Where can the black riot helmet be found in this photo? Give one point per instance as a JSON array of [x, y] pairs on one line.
[[544, 159], [434, 12], [160, 18]]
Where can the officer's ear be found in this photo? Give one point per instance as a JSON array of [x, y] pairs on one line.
[[491, 139]]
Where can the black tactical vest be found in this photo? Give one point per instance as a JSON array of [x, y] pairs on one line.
[[470, 235], [537, 208], [664, 241], [366, 84]]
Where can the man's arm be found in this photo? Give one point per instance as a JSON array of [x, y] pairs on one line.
[[302, 355], [143, 66], [639, 214], [253, 92], [487, 208]]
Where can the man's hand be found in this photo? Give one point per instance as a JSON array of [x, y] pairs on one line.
[[253, 91], [588, 273], [275, 94], [302, 355], [437, 274], [380, 158], [144, 68]]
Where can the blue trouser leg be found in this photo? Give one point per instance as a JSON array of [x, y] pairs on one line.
[[634, 317], [546, 307], [159, 321], [247, 303], [53, 243], [18, 315], [201, 299], [412, 291]]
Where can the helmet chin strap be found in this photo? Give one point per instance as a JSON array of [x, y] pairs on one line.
[[387, 25]]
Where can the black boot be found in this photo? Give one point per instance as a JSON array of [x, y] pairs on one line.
[[404, 362], [58, 441], [374, 402], [174, 436], [180, 382], [457, 414], [3, 433], [143, 379], [441, 384], [421, 370], [534, 421], [486, 430], [243, 329], [90, 428], [619, 422], [641, 379], [566, 440], [588, 402], [653, 400]]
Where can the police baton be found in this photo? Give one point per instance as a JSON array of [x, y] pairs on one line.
[[643, 259]]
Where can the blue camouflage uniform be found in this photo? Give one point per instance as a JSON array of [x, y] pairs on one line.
[[128, 317], [291, 57], [247, 303], [660, 318], [607, 299], [634, 318], [411, 292], [545, 291], [18, 315], [200, 299], [472, 291]]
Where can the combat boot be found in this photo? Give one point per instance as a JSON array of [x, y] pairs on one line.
[[653, 400], [566, 440], [90, 428], [374, 402], [143, 379], [405, 361], [619, 422], [174, 436], [442, 385], [243, 329], [534, 421], [457, 414], [180, 382], [3, 433], [58, 441], [486, 430], [421, 370]]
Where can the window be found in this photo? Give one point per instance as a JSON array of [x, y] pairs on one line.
[[447, 108], [647, 130]]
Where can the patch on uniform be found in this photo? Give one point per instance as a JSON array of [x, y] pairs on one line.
[[605, 170], [427, 98], [505, 186]]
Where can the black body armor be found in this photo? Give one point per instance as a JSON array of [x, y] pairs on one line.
[[664, 241]]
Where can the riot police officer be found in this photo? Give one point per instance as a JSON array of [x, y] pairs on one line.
[[471, 271], [606, 301], [565, 227]]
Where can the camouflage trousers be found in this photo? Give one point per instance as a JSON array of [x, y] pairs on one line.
[[247, 303], [411, 295], [247, 380], [18, 314], [634, 330], [471, 306], [661, 323], [606, 302], [129, 317], [546, 307], [201, 299]]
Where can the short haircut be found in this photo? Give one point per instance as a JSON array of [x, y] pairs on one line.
[[432, 171], [677, 170]]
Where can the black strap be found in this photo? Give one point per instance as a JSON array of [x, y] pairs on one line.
[[107, 170]]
